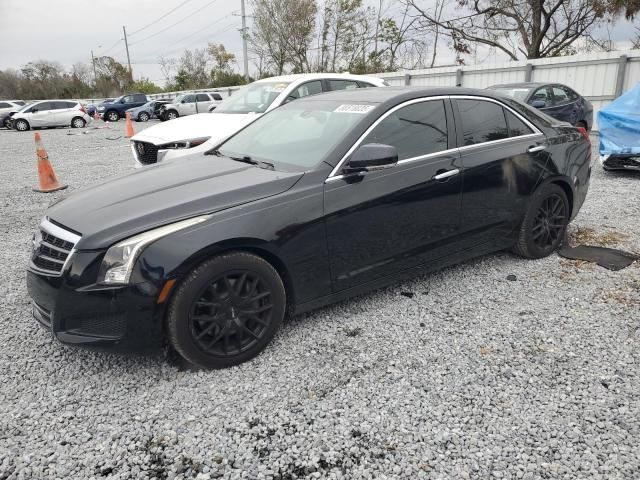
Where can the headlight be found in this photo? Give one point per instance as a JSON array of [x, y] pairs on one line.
[[182, 144], [101, 109], [117, 264]]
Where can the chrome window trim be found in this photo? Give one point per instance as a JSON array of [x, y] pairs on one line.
[[334, 175], [51, 228]]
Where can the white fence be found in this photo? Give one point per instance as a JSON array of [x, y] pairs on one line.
[[599, 77]]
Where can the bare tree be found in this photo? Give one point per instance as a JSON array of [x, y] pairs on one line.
[[529, 28]]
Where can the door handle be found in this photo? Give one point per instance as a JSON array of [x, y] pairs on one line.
[[536, 149], [444, 174]]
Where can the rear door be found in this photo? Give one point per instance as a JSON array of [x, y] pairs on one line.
[[382, 222], [64, 112], [503, 156], [203, 101]]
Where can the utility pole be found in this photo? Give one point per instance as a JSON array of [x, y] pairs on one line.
[[126, 44], [375, 48], [244, 41], [93, 62]]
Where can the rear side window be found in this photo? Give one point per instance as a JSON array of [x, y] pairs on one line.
[[516, 126], [20, 102], [5, 105], [202, 97], [481, 121], [415, 130], [140, 98], [342, 85]]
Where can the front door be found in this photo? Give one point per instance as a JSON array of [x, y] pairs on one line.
[[42, 115], [382, 222]]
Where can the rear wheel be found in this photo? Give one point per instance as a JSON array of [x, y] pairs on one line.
[[544, 224], [143, 117], [78, 122], [22, 125], [226, 310]]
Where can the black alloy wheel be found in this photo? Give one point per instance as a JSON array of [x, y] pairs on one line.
[[544, 224], [226, 311], [112, 116]]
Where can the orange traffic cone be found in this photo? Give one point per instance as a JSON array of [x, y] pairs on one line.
[[48, 180], [130, 132]]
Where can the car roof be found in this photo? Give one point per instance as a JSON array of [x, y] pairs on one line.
[[319, 76], [398, 94]]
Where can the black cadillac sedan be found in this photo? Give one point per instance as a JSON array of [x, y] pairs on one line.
[[319, 200]]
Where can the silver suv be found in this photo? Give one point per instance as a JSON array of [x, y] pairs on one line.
[[50, 113], [190, 104]]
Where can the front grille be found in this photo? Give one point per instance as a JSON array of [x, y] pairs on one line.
[[147, 153], [97, 324], [51, 251]]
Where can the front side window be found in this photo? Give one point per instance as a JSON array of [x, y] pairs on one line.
[[189, 99], [5, 105], [297, 136], [42, 106], [482, 121], [560, 96], [306, 89], [542, 94], [415, 130]]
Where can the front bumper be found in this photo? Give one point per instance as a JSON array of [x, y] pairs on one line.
[[84, 313]]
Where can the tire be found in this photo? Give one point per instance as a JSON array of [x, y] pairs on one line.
[[22, 125], [7, 124], [211, 321], [112, 116], [78, 122], [544, 224], [171, 115], [143, 117]]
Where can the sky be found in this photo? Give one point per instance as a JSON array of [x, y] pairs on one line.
[[67, 31]]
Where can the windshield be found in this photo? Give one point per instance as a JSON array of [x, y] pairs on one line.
[[254, 98], [517, 93], [22, 109], [298, 136]]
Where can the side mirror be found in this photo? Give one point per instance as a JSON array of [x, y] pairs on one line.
[[538, 104], [34, 110], [372, 156]]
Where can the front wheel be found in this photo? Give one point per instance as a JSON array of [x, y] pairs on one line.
[[6, 123], [226, 310], [544, 224], [143, 117], [22, 125], [171, 114]]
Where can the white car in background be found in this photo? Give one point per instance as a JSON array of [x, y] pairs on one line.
[[190, 104], [50, 113], [11, 105], [201, 132]]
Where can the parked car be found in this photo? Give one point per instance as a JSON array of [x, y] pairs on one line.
[[189, 104], [199, 133], [92, 109], [115, 110], [147, 111], [50, 113], [7, 106], [323, 198], [619, 132], [556, 100]]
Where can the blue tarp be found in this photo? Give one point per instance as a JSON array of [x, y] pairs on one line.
[[619, 125]]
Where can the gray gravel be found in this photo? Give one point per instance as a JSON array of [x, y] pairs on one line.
[[459, 374]]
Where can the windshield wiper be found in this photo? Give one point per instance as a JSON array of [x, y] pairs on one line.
[[244, 159]]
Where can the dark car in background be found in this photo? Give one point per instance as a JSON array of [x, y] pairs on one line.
[[554, 99], [320, 199], [92, 109], [115, 110]]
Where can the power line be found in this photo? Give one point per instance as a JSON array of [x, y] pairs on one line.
[[160, 18], [112, 46], [174, 24]]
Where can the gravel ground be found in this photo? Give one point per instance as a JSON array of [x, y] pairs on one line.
[[459, 374]]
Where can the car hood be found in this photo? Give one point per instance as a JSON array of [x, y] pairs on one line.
[[164, 193], [214, 125]]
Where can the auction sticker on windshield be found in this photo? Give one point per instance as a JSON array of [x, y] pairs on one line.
[[354, 108]]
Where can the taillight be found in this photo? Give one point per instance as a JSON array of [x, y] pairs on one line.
[[585, 134]]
